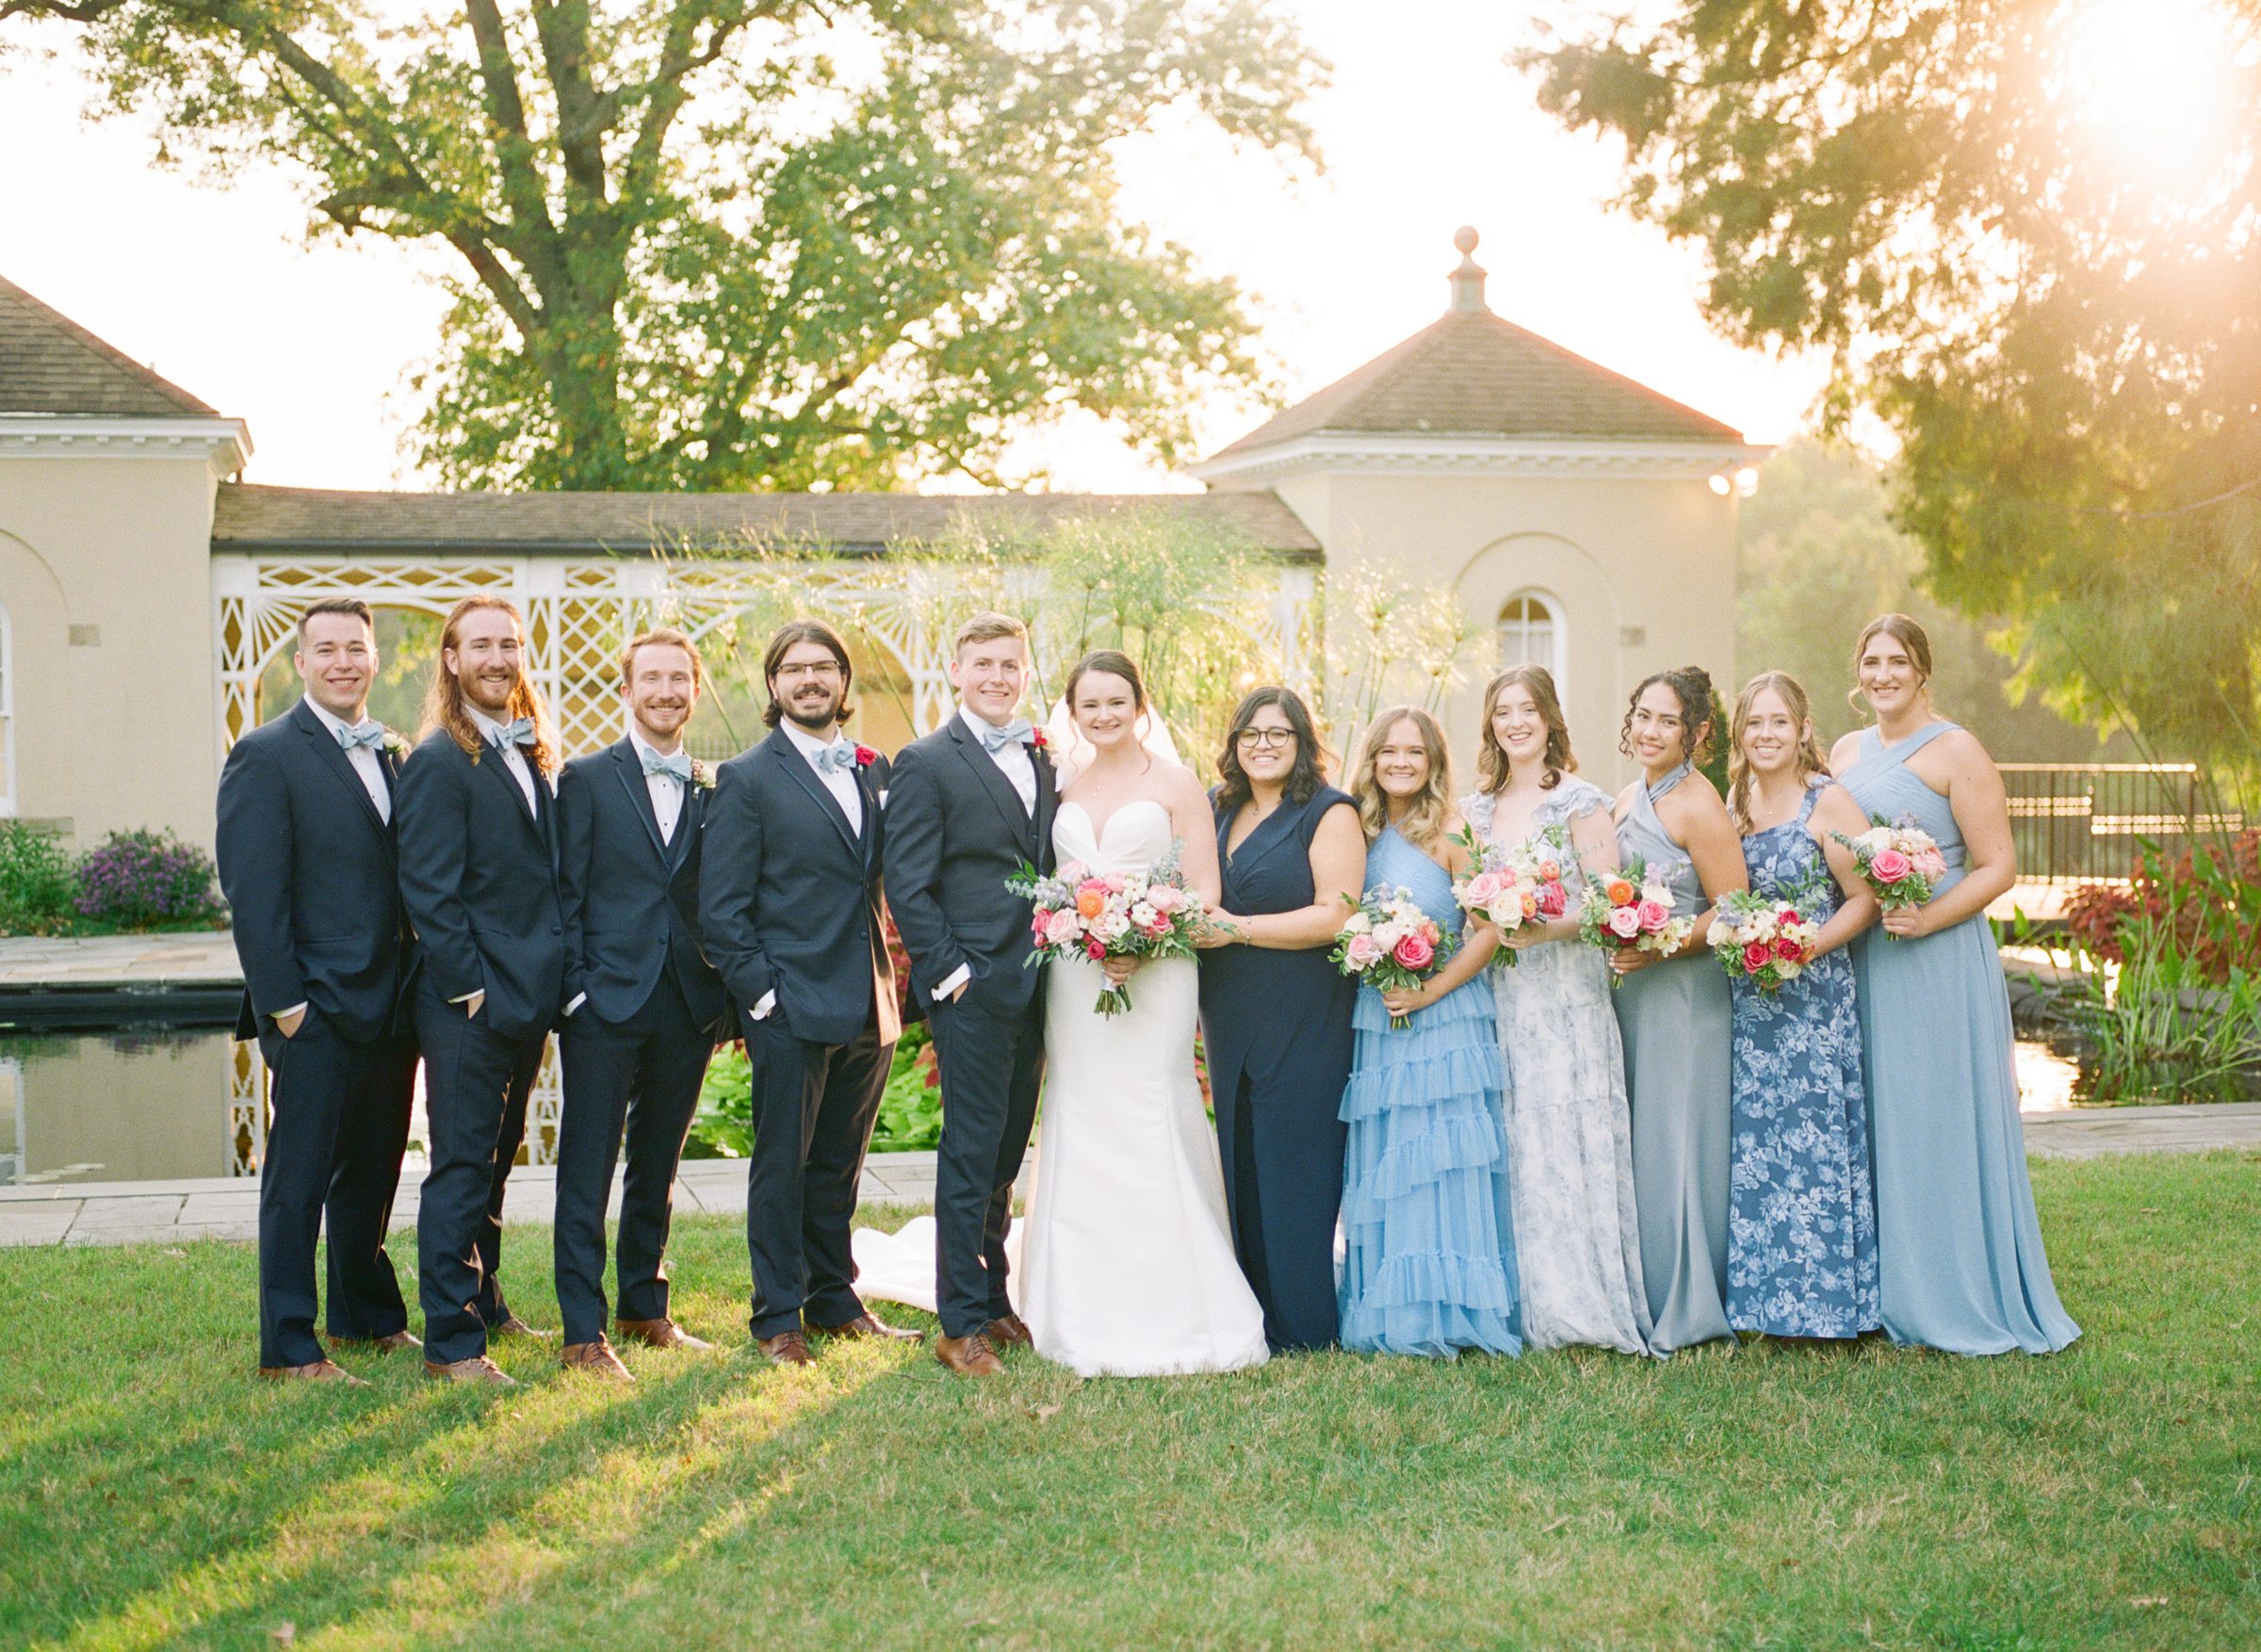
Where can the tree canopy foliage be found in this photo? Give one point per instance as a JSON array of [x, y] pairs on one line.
[[742, 243], [2027, 232]]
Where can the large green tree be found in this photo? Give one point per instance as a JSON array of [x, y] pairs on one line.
[[742, 243], [2027, 232]]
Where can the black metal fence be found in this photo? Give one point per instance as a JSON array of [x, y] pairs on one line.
[[2086, 822]]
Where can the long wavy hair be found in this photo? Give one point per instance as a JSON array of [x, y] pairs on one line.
[[1691, 684], [1909, 635], [1810, 758], [444, 707], [1307, 775], [1491, 757], [1425, 817]]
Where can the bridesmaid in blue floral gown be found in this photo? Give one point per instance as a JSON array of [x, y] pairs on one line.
[[1429, 1262], [1802, 1224], [1963, 1268]]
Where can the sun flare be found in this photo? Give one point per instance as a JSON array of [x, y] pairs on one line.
[[2155, 81]]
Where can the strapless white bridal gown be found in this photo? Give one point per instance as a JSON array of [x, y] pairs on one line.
[[1130, 1263]]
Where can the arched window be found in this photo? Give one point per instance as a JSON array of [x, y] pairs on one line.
[[1531, 632], [7, 718]]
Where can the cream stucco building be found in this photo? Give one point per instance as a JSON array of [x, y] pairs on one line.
[[1578, 518]]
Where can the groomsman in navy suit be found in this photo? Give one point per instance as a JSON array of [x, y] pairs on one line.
[[642, 1007], [306, 858], [478, 874], [966, 805], [789, 910]]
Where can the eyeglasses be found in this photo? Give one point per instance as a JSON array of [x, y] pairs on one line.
[[814, 669], [1265, 739]]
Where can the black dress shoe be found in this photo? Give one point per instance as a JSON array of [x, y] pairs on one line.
[[869, 1324]]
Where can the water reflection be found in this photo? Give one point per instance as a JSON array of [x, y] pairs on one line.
[[166, 1104]]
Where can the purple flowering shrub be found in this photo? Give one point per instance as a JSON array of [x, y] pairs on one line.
[[135, 880]]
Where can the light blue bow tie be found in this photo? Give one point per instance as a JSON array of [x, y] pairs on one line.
[[367, 732], [679, 765], [996, 739], [837, 758], [519, 731]]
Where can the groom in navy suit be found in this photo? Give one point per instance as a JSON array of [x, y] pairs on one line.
[[789, 911], [643, 1006], [966, 805], [479, 875], [306, 859]]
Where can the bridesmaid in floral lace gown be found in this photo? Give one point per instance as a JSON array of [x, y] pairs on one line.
[[1569, 1130], [1802, 1256]]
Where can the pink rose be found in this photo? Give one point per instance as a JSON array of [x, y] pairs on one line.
[[1160, 926], [1788, 951], [1655, 916], [1625, 922], [1363, 951], [1552, 902], [1484, 888], [1416, 951], [1757, 956], [1931, 863], [1890, 867], [1066, 926], [1163, 897], [1095, 949]]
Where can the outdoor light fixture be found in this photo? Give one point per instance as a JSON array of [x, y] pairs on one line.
[[1720, 484], [1743, 483], [1746, 482]]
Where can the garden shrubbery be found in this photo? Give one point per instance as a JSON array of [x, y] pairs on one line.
[[131, 880]]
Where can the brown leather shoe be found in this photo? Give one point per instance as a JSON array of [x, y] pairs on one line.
[[786, 1348], [658, 1334], [1011, 1331], [515, 1326], [478, 1368], [969, 1357], [869, 1324], [321, 1370], [391, 1344], [596, 1359]]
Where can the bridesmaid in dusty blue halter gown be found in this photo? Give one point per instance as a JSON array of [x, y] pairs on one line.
[[1673, 1013], [1962, 1264]]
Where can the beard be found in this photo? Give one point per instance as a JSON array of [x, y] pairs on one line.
[[816, 717], [475, 687]]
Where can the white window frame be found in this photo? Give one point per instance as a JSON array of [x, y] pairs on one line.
[[1557, 662], [8, 717]]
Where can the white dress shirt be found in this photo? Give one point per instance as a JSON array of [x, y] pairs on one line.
[[1013, 761], [665, 789], [514, 759], [364, 758], [845, 791]]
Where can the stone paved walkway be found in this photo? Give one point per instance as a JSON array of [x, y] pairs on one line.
[[205, 958], [109, 1213]]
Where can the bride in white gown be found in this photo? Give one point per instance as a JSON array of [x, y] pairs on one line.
[[1129, 1262]]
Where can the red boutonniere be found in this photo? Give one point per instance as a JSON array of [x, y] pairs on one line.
[[1037, 742], [865, 756]]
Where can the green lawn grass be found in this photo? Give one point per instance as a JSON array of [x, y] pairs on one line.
[[153, 1494]]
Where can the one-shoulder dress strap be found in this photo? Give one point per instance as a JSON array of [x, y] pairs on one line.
[[1665, 785], [1914, 742]]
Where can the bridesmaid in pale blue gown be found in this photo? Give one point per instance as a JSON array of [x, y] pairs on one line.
[[1802, 1250], [1429, 1260], [1962, 1264], [1673, 1013]]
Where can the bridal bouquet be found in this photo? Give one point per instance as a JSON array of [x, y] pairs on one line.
[[1509, 887], [1387, 942], [1899, 860], [1763, 941], [1098, 916], [1632, 910]]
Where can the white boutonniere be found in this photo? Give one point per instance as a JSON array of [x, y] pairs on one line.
[[702, 774], [396, 744]]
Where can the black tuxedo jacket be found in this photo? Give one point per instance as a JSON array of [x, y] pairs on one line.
[[478, 874], [790, 896], [630, 899], [309, 870], [955, 833]]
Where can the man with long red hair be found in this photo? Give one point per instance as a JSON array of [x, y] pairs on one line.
[[479, 856]]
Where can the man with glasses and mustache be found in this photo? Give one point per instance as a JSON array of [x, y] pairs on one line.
[[642, 1007], [478, 858], [789, 911]]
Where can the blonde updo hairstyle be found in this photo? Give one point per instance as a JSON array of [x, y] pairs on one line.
[[1906, 632]]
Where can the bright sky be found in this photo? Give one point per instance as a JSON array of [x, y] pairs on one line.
[[1426, 129]]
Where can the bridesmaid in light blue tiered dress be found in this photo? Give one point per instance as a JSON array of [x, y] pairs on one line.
[[1430, 1261], [1802, 1250], [1964, 1267]]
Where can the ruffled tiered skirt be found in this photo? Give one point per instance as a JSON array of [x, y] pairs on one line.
[[1429, 1260]]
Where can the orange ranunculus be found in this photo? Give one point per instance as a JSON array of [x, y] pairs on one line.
[[1090, 902], [1620, 891]]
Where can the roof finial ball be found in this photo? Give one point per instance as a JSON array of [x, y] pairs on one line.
[[1468, 279]]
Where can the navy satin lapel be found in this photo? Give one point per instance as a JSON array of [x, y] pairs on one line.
[[799, 767], [333, 759], [639, 792], [994, 782]]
